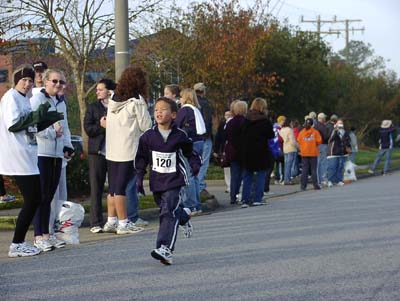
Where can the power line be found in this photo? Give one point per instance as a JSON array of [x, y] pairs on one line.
[[334, 20]]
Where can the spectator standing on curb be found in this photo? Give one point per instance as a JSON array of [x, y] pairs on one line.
[[53, 146], [234, 146], [162, 147], [256, 131], [219, 148], [331, 123], [190, 120], [61, 193], [95, 123], [173, 91], [4, 197], [296, 130], [309, 139], [385, 146], [39, 67], [289, 150], [18, 126], [280, 159], [323, 149], [207, 113], [127, 118], [354, 145], [338, 145]]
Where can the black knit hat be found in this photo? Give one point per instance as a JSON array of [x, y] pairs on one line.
[[23, 71], [40, 66]]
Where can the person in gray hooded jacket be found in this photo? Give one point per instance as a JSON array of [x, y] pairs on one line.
[[53, 146]]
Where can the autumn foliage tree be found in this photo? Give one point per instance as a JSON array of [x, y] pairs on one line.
[[79, 30]]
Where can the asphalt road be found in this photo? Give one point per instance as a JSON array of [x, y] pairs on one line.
[[336, 244]]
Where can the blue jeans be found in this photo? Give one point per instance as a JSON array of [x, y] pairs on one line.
[[336, 169], [322, 163], [289, 162], [236, 179], [132, 200], [207, 148], [352, 157], [191, 194], [295, 166], [379, 156], [258, 183]]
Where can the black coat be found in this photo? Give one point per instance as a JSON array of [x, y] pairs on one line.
[[96, 133], [256, 131]]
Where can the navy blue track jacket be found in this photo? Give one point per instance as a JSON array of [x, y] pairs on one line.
[[167, 165]]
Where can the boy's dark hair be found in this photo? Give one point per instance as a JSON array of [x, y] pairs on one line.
[[172, 103]]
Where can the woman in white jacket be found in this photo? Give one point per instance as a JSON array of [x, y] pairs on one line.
[[18, 156], [127, 118], [53, 146]]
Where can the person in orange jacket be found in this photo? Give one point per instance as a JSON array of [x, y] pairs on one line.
[[308, 140]]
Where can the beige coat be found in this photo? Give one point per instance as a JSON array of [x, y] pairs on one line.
[[126, 121], [289, 141]]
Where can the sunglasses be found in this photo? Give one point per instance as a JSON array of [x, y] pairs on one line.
[[56, 81]]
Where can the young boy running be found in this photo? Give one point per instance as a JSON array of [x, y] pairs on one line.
[[163, 147]]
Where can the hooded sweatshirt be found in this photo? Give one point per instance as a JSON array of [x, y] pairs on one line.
[[308, 140], [126, 121]]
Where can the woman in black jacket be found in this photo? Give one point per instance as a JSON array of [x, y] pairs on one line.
[[95, 128], [257, 129]]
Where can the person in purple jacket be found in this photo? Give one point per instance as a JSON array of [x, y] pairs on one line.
[[163, 147]]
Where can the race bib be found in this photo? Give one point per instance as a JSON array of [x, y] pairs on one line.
[[164, 162]]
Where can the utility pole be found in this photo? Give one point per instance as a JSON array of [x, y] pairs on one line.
[[121, 37], [319, 23], [347, 28], [335, 31]]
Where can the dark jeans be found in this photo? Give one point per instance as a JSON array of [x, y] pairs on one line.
[[97, 177], [236, 179], [2, 188], [309, 164], [50, 171], [132, 200], [30, 190]]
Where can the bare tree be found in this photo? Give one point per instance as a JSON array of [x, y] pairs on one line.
[[78, 29]]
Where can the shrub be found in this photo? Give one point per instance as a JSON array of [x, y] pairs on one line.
[[78, 176]]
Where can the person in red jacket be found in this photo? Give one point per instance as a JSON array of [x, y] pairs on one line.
[[309, 139]]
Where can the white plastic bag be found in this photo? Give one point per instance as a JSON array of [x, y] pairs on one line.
[[68, 221], [349, 171]]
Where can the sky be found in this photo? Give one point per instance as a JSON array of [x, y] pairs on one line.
[[380, 18]]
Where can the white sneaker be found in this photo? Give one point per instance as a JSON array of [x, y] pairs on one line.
[[187, 229], [256, 204], [267, 193], [55, 242], [330, 184], [43, 244], [244, 205], [110, 228], [96, 229], [128, 228], [7, 198], [163, 254], [196, 212], [141, 222], [23, 250], [340, 183]]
